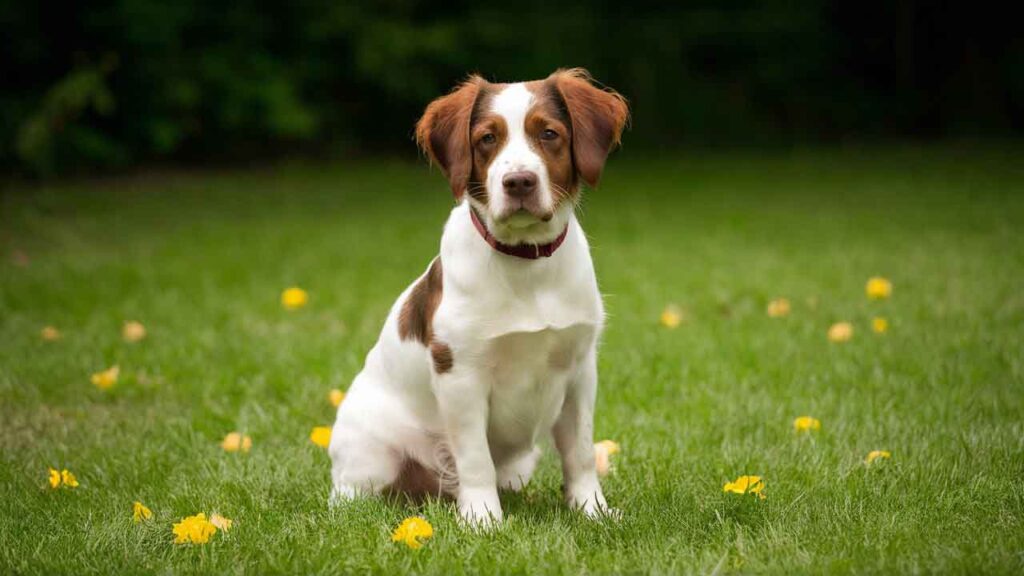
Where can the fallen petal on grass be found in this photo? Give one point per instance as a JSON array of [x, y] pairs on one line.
[[878, 288], [840, 332], [106, 379], [140, 512], [223, 524], [193, 530], [64, 478], [746, 485], [50, 334], [671, 316], [778, 308], [603, 451], [321, 436], [412, 532], [879, 325], [806, 424], [336, 396], [877, 454], [294, 298], [235, 441], [133, 331]]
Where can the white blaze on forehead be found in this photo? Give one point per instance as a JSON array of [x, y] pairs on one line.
[[512, 104]]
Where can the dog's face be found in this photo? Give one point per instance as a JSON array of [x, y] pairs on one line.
[[519, 151]]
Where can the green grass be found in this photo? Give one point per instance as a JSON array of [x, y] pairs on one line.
[[201, 259]]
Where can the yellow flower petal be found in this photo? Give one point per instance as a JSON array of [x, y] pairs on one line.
[[54, 479], [879, 325], [232, 442], [235, 441], [876, 454], [336, 396], [746, 485], [878, 288], [193, 530], [840, 332], [603, 452], [133, 331], [106, 379], [806, 424], [412, 531], [294, 298], [68, 479], [672, 316], [778, 308], [222, 523], [140, 512], [50, 334], [321, 436]]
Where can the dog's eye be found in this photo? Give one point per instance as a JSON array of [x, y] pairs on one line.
[[548, 134], [488, 139]]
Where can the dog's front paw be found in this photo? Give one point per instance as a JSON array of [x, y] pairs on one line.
[[480, 508], [340, 495], [589, 499]]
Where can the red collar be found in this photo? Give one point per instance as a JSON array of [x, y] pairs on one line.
[[528, 251]]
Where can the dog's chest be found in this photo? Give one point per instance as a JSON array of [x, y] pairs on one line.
[[529, 373]]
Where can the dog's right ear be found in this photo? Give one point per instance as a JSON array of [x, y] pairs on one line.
[[443, 133]]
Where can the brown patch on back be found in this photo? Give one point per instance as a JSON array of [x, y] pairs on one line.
[[598, 117], [441, 353], [415, 320]]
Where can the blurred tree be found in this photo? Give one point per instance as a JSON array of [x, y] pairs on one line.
[[200, 81]]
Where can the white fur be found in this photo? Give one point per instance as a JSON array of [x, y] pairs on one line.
[[523, 335]]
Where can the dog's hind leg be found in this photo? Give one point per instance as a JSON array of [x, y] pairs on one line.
[[361, 465], [515, 474], [361, 462]]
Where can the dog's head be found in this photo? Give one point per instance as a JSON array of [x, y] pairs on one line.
[[519, 151]]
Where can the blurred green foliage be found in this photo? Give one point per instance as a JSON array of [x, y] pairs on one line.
[[198, 81]]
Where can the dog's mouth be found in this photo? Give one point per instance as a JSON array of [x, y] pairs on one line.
[[522, 214]]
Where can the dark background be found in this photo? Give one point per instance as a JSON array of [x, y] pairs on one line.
[[103, 86]]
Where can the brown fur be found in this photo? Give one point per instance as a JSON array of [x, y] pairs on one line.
[[598, 117], [416, 482], [415, 320], [441, 353], [443, 133], [484, 122], [549, 112]]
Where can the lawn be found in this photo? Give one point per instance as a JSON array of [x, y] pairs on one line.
[[201, 258]]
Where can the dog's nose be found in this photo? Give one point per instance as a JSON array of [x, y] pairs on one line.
[[520, 184]]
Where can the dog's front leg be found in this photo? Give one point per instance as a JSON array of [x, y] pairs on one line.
[[463, 396], [574, 438]]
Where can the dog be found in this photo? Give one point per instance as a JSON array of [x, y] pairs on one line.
[[496, 343]]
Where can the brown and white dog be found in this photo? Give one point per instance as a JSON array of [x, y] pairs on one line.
[[496, 343]]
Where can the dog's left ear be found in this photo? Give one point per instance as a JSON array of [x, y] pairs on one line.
[[443, 133], [598, 117]]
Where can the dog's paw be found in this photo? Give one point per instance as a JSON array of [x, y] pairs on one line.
[[480, 509], [341, 495], [591, 502], [602, 514]]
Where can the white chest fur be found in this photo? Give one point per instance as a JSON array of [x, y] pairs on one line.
[[528, 374]]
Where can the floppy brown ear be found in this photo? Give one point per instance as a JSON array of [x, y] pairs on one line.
[[598, 117], [443, 133]]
